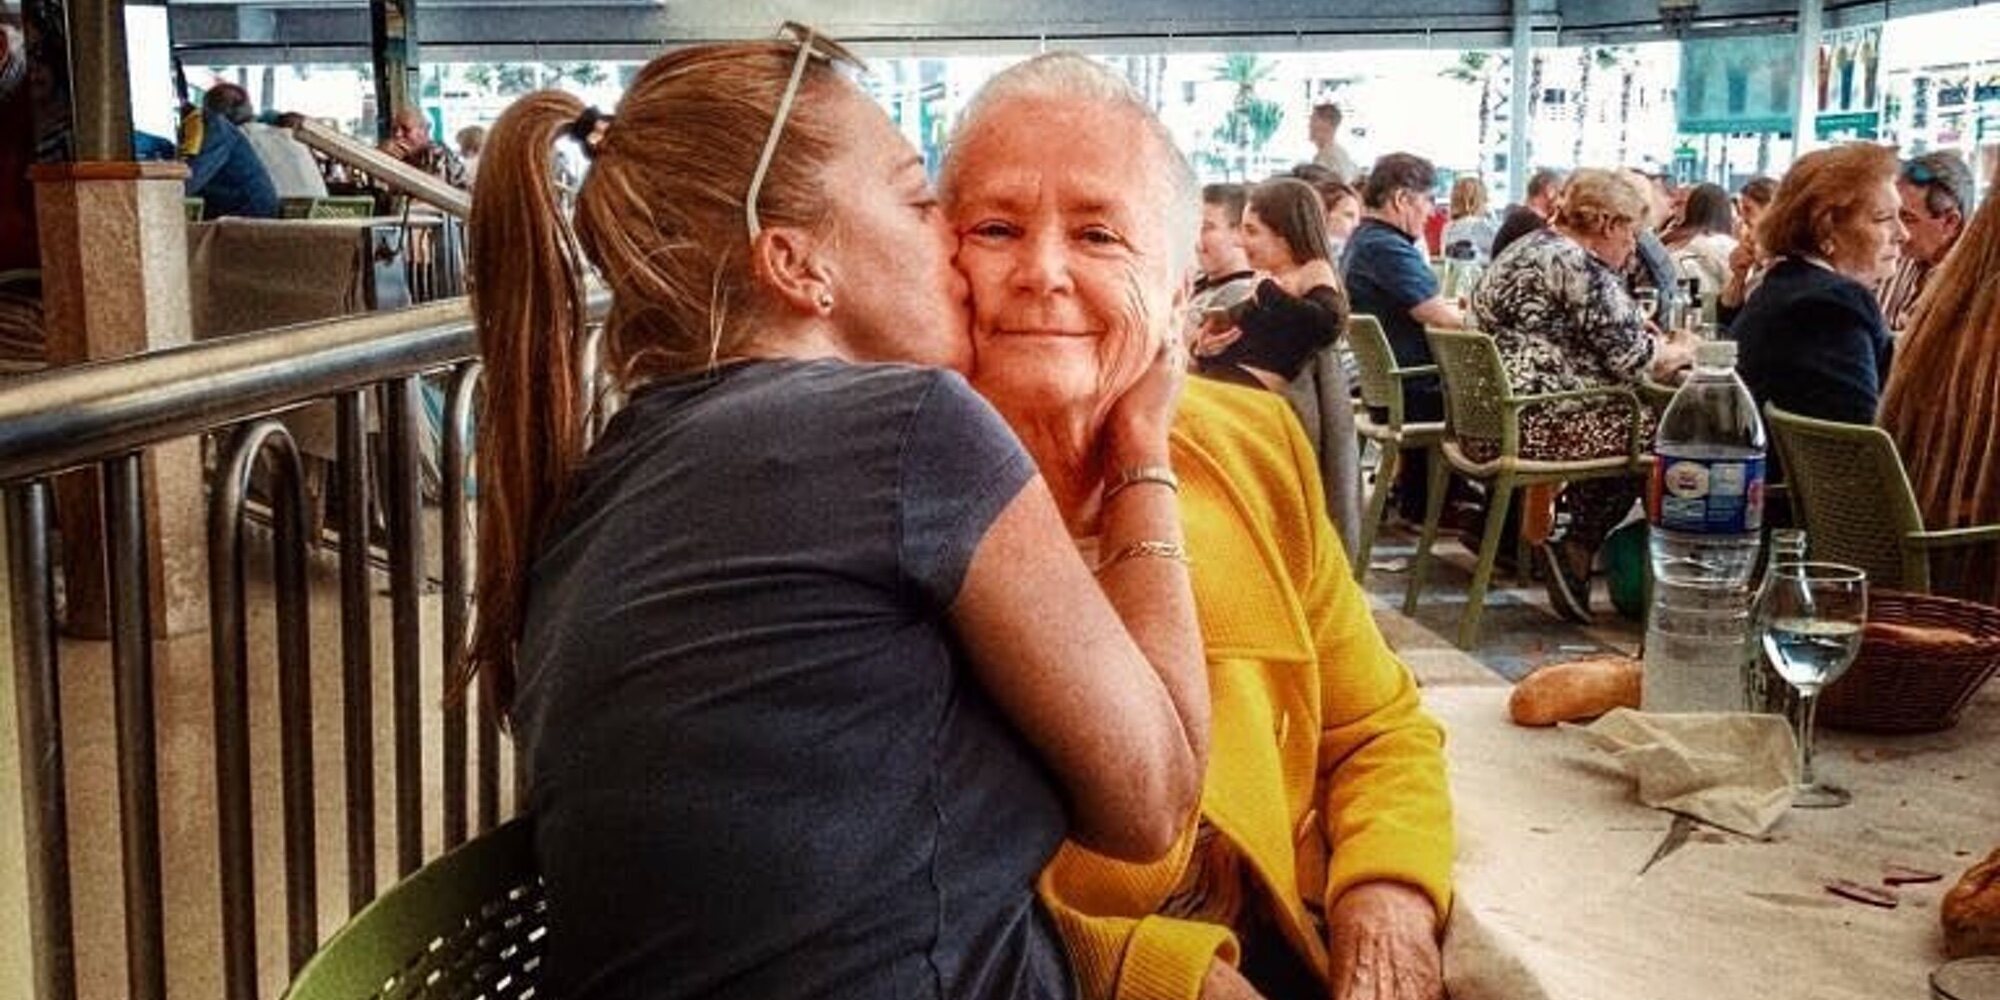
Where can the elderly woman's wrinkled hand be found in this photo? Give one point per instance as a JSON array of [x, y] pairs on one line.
[[1385, 945], [1140, 418]]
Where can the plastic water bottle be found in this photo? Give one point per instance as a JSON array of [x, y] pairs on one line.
[[1706, 505]]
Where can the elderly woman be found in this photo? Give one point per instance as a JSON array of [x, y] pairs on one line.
[[1942, 403], [1296, 310], [808, 679], [1319, 864], [1559, 313], [1812, 335]]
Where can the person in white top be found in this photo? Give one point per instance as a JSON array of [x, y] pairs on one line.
[[290, 164], [1704, 239]]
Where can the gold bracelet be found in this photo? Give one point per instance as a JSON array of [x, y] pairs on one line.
[[1151, 548], [1161, 474]]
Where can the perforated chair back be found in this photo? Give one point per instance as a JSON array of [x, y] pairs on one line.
[[1475, 387], [471, 924], [1375, 362], [1848, 483]]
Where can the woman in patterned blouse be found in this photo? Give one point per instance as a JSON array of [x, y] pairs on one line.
[[1561, 317]]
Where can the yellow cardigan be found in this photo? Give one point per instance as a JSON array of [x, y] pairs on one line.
[[1324, 771]]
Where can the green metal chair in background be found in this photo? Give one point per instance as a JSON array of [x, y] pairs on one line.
[[472, 923], [1483, 418], [1382, 389], [1849, 489], [330, 207]]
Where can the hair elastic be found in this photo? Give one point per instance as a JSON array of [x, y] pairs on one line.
[[588, 130]]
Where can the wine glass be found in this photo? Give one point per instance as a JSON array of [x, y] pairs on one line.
[[1649, 302], [1811, 619]]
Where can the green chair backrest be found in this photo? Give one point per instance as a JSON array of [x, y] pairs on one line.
[[193, 208], [1375, 362], [472, 923], [351, 206], [1476, 389], [331, 207], [1848, 483]]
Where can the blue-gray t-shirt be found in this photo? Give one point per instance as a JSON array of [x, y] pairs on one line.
[[760, 766]]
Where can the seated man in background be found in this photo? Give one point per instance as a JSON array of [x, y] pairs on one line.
[[1319, 864], [1936, 189], [1534, 211], [1390, 278], [224, 170], [289, 162], [1224, 276], [410, 141]]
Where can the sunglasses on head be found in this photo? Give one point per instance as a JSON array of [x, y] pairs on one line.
[[811, 46], [1920, 173]]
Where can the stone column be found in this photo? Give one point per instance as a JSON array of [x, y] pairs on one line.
[[115, 283]]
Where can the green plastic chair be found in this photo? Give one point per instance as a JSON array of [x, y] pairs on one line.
[[1382, 382], [330, 207], [1481, 408], [472, 923], [1848, 485], [192, 209]]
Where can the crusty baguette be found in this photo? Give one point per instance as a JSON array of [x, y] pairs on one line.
[[1917, 635], [1971, 911], [1581, 689]]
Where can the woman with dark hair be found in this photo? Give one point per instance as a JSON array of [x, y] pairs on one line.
[[1748, 261], [1296, 310], [1705, 238], [1813, 337], [807, 678]]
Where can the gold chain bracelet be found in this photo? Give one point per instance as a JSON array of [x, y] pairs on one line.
[[1151, 548]]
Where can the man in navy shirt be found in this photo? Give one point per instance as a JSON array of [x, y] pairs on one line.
[[1389, 277]]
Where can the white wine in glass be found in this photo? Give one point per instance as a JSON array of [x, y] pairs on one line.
[[1812, 618]]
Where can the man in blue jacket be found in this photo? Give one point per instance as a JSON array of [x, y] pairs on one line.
[[224, 170]]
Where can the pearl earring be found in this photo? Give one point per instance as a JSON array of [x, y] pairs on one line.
[[825, 301]]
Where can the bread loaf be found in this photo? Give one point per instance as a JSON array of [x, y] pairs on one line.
[[1581, 689], [1971, 911], [1917, 635]]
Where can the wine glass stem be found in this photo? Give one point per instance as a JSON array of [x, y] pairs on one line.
[[1808, 710]]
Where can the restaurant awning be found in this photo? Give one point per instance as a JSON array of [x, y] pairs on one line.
[[256, 31]]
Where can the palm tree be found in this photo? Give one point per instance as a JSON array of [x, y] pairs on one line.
[[1534, 102], [1589, 58], [1251, 120], [583, 74], [1480, 68], [1627, 59]]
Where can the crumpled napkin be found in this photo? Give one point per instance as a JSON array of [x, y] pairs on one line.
[[1734, 770]]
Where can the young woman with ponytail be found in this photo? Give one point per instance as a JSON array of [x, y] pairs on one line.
[[807, 678]]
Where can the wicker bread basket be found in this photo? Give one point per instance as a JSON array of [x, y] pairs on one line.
[[1906, 686]]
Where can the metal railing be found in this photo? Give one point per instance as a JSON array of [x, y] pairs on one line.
[[103, 416]]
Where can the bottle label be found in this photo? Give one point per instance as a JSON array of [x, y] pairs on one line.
[[1707, 496]]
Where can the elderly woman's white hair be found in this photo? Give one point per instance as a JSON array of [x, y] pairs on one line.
[[1073, 78]]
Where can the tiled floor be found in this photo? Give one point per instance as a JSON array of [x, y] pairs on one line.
[[1518, 633], [188, 798]]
